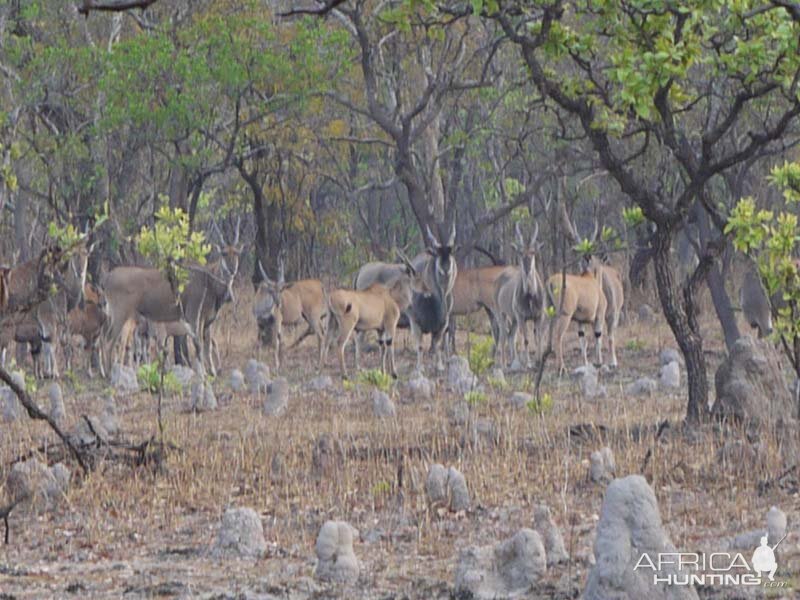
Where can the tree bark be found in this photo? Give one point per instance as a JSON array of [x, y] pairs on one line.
[[689, 340], [716, 284], [178, 183], [21, 227]]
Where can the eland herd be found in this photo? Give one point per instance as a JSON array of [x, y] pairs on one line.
[[48, 300]]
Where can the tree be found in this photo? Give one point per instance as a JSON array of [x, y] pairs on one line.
[[657, 89], [412, 70], [771, 239]]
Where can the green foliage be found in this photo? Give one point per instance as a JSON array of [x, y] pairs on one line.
[[66, 236], [787, 176], [480, 354], [750, 226], [376, 378], [149, 376], [550, 311], [634, 345], [475, 397], [74, 381], [9, 155], [585, 246], [541, 407], [31, 385], [381, 488], [773, 240], [633, 216], [498, 384], [168, 244]]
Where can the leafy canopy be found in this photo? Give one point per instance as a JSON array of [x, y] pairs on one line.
[[169, 244]]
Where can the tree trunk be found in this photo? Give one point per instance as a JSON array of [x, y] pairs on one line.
[[21, 227], [407, 172], [178, 183], [261, 234], [195, 191], [430, 150], [723, 306], [689, 340]]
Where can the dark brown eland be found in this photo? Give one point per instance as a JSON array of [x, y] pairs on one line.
[[435, 274], [86, 321], [41, 291]]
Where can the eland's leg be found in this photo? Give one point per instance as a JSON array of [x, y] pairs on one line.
[[344, 336], [598, 333], [612, 342], [416, 334], [582, 339], [500, 343], [560, 330]]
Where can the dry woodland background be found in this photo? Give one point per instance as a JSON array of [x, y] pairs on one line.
[[333, 134]]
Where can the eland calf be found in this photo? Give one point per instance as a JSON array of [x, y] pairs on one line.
[[473, 290], [581, 300], [278, 305], [614, 292], [377, 308]]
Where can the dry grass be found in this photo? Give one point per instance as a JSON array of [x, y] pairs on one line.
[[125, 529]]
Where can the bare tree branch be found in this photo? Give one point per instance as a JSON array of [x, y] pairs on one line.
[[34, 412], [112, 5], [326, 7]]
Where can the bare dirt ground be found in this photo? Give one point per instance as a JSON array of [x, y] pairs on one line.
[[128, 532]]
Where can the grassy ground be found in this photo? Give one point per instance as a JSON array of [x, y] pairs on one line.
[[129, 531]]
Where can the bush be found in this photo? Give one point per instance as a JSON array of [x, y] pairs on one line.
[[474, 397], [542, 406], [377, 378], [480, 354], [149, 377], [634, 345]]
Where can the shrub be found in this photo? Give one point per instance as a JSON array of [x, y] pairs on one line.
[[377, 378], [480, 354], [635, 345], [474, 397], [149, 377], [542, 406]]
